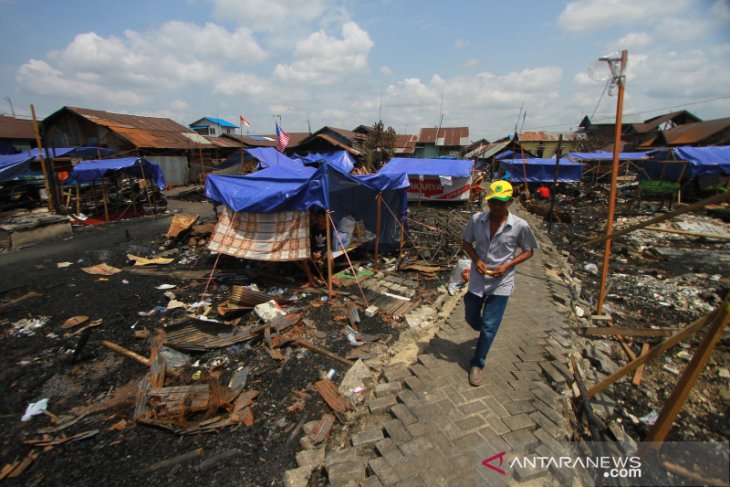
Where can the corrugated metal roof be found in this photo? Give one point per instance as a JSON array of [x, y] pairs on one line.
[[144, 132], [221, 122], [682, 117], [16, 128], [405, 144], [336, 143], [695, 133], [223, 142], [542, 136], [445, 136]]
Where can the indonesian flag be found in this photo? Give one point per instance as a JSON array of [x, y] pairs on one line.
[[244, 121]]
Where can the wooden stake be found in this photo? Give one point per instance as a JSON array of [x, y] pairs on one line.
[[377, 232], [106, 206], [640, 371], [681, 391], [330, 260], [46, 183], [134, 356], [78, 199]]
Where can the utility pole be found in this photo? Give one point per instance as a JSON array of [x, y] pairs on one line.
[[12, 110], [619, 79], [37, 133]]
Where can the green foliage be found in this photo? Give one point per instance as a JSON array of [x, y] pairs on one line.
[[379, 146]]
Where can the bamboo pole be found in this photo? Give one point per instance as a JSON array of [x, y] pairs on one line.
[[377, 232], [46, 183], [673, 405], [330, 260], [78, 199], [620, 81], [104, 197]]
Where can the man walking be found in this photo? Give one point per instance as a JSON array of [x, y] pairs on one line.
[[492, 239]]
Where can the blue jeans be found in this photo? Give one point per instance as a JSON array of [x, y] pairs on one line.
[[484, 315]]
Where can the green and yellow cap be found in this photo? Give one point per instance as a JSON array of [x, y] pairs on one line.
[[499, 190]]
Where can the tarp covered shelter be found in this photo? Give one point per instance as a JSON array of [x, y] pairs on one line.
[[282, 190], [266, 157], [700, 162], [340, 159], [14, 165], [602, 155], [433, 179], [537, 170], [71, 152], [94, 169]]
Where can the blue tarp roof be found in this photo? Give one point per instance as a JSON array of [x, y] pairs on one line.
[[269, 156], [340, 159], [542, 170], [94, 169], [284, 188], [602, 155], [80, 152], [428, 167], [221, 122], [14, 165], [700, 162]]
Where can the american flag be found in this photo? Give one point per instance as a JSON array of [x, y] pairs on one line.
[[245, 121], [282, 138]]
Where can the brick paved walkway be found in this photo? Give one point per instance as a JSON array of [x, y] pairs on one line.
[[428, 426]]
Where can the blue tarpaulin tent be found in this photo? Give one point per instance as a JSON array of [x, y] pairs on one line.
[[277, 189], [537, 170], [94, 169], [701, 162], [340, 159], [433, 179], [12, 166], [602, 155]]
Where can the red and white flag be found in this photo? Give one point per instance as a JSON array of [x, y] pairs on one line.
[[245, 121], [282, 138]]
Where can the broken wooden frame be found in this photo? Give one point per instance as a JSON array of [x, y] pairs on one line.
[[717, 319]]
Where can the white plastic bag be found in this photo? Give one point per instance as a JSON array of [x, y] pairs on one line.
[[456, 280], [269, 310]]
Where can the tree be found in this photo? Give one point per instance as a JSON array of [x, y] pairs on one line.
[[379, 145]]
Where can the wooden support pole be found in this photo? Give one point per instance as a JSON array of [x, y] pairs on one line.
[[323, 351], [681, 391], [46, 183], [626, 332], [134, 356], [104, 196], [640, 371], [330, 260], [620, 82], [377, 232], [654, 352], [78, 199]]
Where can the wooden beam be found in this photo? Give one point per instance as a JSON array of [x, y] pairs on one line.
[[718, 198], [626, 332], [640, 371], [691, 234], [681, 391], [654, 352]]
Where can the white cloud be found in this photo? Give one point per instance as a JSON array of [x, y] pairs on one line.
[[674, 29], [632, 40], [321, 59], [471, 63], [242, 84], [268, 15], [592, 15], [386, 70], [459, 43]]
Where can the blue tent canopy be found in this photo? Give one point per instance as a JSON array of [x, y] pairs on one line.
[[542, 170], [428, 167], [80, 152], [340, 159], [675, 163], [285, 189], [269, 156], [603, 155], [14, 165], [94, 169]]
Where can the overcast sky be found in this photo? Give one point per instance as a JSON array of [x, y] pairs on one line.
[[413, 63]]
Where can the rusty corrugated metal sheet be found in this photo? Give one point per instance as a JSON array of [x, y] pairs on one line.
[[223, 142], [405, 144], [16, 128], [336, 143], [681, 117], [145, 132], [448, 136], [541, 136], [695, 133]]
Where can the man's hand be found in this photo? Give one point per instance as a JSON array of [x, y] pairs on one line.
[[482, 267], [499, 270], [317, 257]]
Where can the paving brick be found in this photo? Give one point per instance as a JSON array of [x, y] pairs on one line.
[[417, 446], [521, 384], [562, 368], [529, 471], [546, 439], [520, 440], [339, 456], [520, 421], [385, 472], [381, 404], [432, 395], [527, 375], [520, 395], [470, 423], [527, 366], [311, 458], [388, 389], [492, 441], [428, 360], [440, 441], [396, 373], [531, 357], [371, 481], [496, 407], [467, 441], [475, 393], [401, 412], [415, 384], [368, 436], [421, 372], [473, 407], [417, 429], [396, 431], [387, 449], [435, 460], [548, 411], [426, 412], [407, 469], [497, 424], [542, 421], [340, 474], [519, 407], [409, 398], [552, 373]]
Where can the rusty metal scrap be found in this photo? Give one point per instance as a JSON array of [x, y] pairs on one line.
[[322, 429], [331, 396]]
